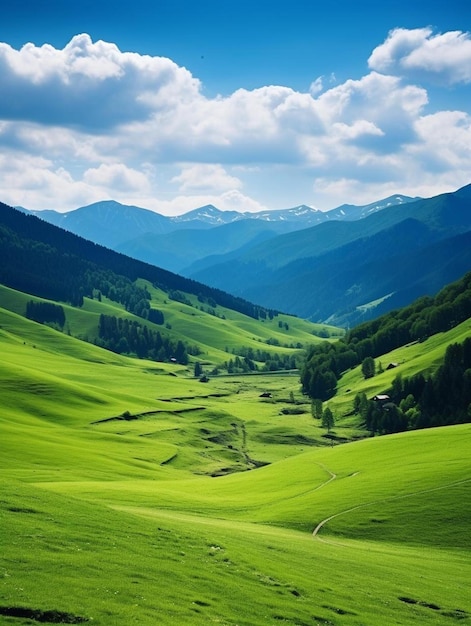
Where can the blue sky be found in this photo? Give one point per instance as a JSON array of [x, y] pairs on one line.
[[171, 104]]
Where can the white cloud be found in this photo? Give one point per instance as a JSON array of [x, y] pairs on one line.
[[90, 122], [419, 53], [205, 177], [91, 86], [117, 176]]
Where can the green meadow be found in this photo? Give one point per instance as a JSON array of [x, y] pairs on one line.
[[132, 493]]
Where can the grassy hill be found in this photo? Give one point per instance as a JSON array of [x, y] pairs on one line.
[[218, 333], [111, 511], [133, 493]]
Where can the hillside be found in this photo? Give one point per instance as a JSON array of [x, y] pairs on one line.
[[432, 395], [177, 250], [108, 494], [134, 308], [379, 248]]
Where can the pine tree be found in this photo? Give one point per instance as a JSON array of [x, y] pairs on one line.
[[328, 420]]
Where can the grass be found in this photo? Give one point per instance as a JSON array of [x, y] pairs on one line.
[[119, 521], [416, 357], [218, 337]]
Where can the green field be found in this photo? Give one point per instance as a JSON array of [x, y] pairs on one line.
[[131, 493], [218, 335]]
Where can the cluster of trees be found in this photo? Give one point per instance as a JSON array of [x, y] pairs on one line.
[[176, 295], [325, 415], [45, 313], [126, 336], [424, 401], [247, 360], [326, 362], [117, 288], [271, 363], [41, 259]]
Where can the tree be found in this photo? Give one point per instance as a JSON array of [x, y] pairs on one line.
[[198, 369], [328, 420], [316, 409], [360, 405], [368, 367]]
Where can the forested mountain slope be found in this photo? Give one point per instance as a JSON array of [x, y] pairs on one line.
[[134, 308], [328, 271], [29, 262], [427, 398]]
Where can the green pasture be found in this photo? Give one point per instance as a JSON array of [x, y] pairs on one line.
[[425, 357], [218, 337], [131, 493]]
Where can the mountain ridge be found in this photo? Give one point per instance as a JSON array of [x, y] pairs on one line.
[[155, 238], [272, 270]]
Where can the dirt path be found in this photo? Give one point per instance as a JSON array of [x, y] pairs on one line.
[[332, 477], [315, 532]]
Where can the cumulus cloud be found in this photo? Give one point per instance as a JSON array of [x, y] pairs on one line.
[[90, 122], [91, 86], [206, 177], [117, 176], [419, 53]]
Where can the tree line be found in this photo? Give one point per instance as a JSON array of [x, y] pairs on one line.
[[39, 258], [326, 362], [45, 313], [125, 336], [421, 401]]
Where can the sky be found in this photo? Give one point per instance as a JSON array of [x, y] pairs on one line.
[[248, 105]]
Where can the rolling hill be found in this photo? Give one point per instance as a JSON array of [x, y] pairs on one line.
[[111, 512], [132, 493]]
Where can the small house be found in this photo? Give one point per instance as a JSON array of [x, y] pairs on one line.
[[382, 398]]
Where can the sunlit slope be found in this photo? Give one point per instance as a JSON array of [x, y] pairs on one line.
[[113, 567], [118, 522], [417, 357], [387, 484], [217, 332]]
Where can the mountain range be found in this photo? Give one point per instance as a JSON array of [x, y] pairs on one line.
[[158, 239], [342, 266]]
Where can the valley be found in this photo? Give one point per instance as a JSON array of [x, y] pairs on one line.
[[140, 493], [235, 313], [204, 486]]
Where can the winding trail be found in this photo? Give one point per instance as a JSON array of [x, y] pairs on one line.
[[320, 525]]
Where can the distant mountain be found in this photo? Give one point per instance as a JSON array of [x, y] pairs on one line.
[[108, 223], [179, 249], [153, 238], [41, 259], [343, 265], [352, 212], [347, 271], [120, 226], [114, 219]]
